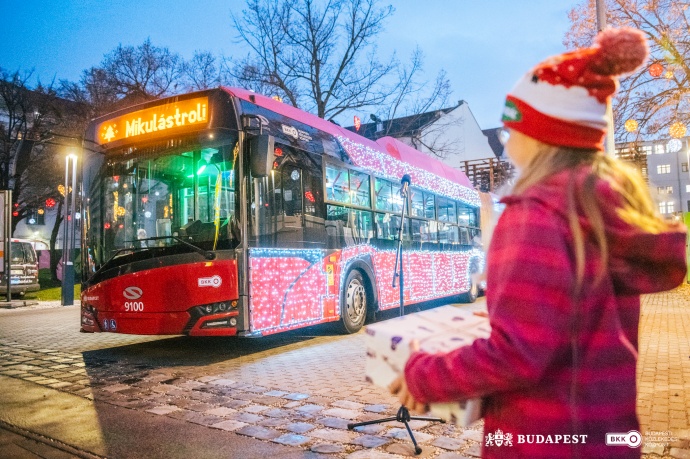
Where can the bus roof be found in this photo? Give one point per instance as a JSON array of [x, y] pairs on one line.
[[389, 145]]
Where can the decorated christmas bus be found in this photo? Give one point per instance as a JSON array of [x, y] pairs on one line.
[[228, 213]]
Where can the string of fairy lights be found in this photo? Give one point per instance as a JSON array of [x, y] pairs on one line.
[[393, 169], [677, 130], [290, 286]]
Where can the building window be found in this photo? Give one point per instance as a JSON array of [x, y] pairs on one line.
[[659, 149], [684, 167], [687, 188], [664, 189], [663, 169], [647, 150], [666, 207]]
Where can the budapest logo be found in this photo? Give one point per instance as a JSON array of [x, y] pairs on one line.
[[499, 438], [132, 293]]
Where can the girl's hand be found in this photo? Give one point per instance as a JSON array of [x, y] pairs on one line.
[[399, 388]]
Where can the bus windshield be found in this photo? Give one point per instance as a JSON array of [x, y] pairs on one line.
[[155, 202]]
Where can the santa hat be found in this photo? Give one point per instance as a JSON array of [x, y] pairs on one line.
[[562, 101]]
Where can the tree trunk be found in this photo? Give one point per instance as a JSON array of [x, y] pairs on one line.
[[54, 254]]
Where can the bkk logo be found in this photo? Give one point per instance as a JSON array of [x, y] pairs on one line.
[[633, 439], [213, 281]]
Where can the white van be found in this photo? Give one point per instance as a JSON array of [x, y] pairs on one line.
[[23, 268]]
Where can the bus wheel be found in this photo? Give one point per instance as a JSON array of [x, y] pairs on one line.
[[353, 303], [471, 295]]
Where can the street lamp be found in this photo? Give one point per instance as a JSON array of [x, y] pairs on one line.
[[67, 293], [610, 135]]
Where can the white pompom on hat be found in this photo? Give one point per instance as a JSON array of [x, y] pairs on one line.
[[562, 101]]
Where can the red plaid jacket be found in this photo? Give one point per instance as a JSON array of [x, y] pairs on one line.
[[533, 381]]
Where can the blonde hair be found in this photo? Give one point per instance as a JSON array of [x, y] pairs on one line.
[[637, 207]]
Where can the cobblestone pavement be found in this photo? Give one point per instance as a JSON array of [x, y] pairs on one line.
[[302, 388]]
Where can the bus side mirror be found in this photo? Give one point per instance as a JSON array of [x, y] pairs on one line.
[[261, 155]]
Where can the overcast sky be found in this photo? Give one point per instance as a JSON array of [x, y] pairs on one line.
[[484, 45]]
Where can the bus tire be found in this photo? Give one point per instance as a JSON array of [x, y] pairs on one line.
[[354, 302], [471, 295]]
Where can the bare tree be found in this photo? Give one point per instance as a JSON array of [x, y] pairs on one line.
[[317, 55], [657, 95], [129, 75], [36, 127], [410, 107], [202, 71]]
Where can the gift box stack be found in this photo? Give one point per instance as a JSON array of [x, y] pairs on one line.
[[440, 329]]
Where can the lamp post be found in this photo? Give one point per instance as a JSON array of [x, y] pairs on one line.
[[67, 293], [610, 135]]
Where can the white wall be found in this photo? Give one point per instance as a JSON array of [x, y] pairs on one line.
[[457, 136]]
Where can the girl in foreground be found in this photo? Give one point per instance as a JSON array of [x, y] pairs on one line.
[[577, 244]]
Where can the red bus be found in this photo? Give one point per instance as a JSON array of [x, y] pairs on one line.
[[227, 213]]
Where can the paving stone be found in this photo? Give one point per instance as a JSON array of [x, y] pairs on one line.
[[262, 433], [341, 413], [245, 417], [448, 443], [235, 404], [276, 413], [299, 427], [201, 407], [202, 419], [347, 405], [292, 439], [310, 409], [255, 409], [221, 411], [474, 435], [292, 405], [223, 382], [407, 449], [296, 396], [334, 423], [371, 429], [327, 448], [256, 389], [230, 425], [474, 451], [403, 434], [333, 435], [376, 408], [370, 454], [319, 400], [273, 422], [451, 456], [276, 393], [163, 410], [370, 441], [678, 453]]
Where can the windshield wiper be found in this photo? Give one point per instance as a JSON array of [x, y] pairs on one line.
[[209, 255]]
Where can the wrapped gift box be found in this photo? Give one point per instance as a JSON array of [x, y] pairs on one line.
[[440, 329]]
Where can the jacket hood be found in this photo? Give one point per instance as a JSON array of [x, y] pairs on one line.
[[639, 261]]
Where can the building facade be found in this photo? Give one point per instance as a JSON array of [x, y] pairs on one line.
[[664, 164]]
